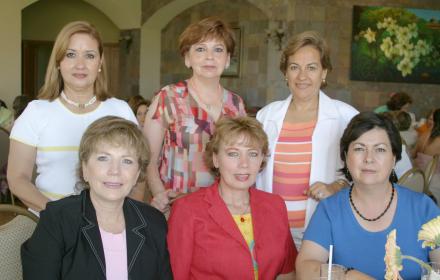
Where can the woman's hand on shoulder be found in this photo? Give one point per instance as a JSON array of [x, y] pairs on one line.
[[320, 190], [162, 200]]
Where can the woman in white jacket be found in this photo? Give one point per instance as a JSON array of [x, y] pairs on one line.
[[304, 132]]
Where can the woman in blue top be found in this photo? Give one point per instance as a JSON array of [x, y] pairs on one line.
[[357, 219]]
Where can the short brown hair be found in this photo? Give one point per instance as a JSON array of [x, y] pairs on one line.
[[53, 82], [228, 130], [398, 100], [208, 28], [404, 120], [136, 101], [306, 38], [117, 131]]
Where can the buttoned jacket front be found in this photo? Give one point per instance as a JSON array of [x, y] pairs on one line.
[[205, 242], [67, 244]]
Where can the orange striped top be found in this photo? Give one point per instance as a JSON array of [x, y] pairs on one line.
[[292, 161]]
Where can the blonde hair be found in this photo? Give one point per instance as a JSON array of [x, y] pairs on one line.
[[229, 130], [117, 131], [306, 38], [53, 82]]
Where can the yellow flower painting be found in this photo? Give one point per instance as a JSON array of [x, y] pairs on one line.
[[395, 45]]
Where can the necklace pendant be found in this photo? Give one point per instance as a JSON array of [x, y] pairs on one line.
[[73, 103], [242, 219]]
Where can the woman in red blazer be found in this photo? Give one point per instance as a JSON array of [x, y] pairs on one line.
[[231, 230]]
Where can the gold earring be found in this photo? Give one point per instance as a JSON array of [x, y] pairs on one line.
[[323, 81], [99, 70]]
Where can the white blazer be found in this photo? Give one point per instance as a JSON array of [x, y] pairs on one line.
[[333, 117]]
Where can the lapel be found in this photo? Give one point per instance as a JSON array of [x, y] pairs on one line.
[[90, 229], [326, 108], [258, 213], [134, 223], [219, 213], [277, 115]]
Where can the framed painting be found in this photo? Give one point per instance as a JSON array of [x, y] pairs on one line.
[[234, 67], [395, 45]]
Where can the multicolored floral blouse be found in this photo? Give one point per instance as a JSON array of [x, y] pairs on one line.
[[188, 129]]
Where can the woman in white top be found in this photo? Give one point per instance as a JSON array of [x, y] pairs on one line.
[[314, 123], [49, 130]]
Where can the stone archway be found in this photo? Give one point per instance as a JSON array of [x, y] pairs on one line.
[[151, 47], [124, 14]]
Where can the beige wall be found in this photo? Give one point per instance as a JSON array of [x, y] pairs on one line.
[[126, 14], [10, 50], [44, 19]]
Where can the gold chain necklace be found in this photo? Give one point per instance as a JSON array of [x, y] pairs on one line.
[[230, 205], [196, 95]]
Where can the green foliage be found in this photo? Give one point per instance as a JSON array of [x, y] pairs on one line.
[[393, 44], [372, 15]]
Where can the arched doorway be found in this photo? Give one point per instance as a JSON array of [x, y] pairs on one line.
[[42, 20]]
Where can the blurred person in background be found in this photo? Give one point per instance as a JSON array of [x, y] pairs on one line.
[[19, 104], [139, 105]]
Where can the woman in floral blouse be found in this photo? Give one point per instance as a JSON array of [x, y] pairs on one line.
[[182, 116]]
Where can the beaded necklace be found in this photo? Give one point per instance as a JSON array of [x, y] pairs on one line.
[[76, 104], [381, 214]]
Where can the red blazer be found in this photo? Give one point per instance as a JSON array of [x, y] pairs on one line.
[[205, 242]]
